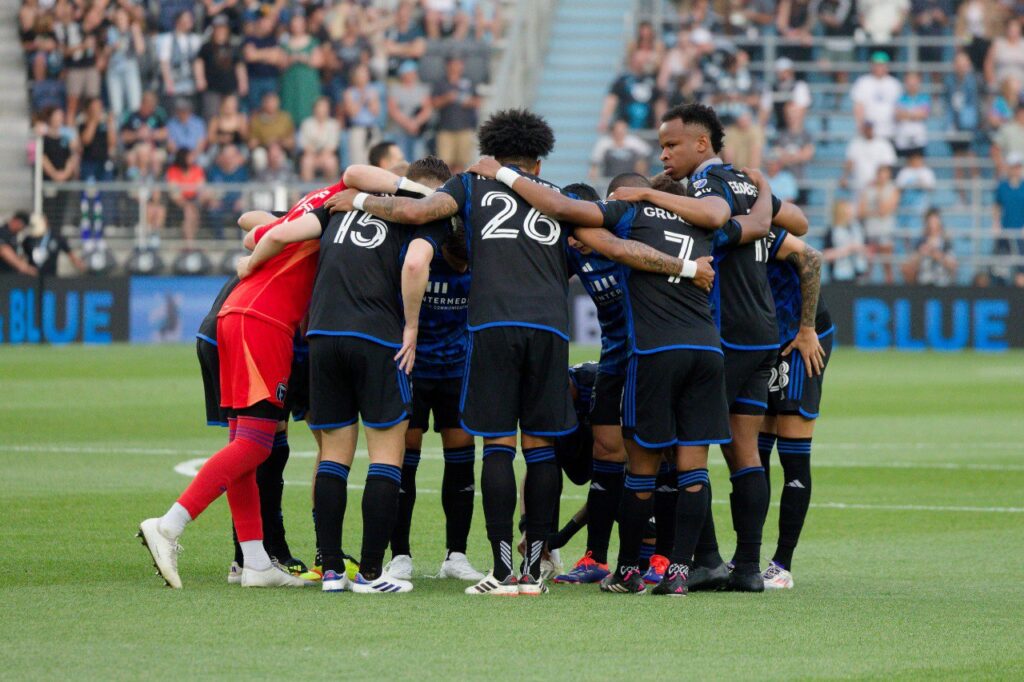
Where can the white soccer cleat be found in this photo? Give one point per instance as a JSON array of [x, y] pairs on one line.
[[509, 587], [335, 582], [777, 578], [531, 587], [386, 583], [275, 576], [235, 574], [457, 566], [400, 567], [163, 549], [552, 566]]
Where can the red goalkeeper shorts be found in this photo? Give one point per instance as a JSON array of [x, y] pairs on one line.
[[255, 361]]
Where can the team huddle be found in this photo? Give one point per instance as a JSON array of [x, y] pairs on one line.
[[389, 298]]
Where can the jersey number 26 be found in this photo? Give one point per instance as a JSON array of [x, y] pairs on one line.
[[494, 230]]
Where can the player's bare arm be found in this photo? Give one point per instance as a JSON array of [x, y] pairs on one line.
[[301, 229], [806, 260], [792, 219], [756, 224], [377, 180], [250, 220], [415, 274], [397, 209], [639, 256], [548, 201], [703, 213]]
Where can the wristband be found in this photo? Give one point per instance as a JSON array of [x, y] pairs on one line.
[[506, 176], [360, 198], [689, 269], [413, 186]]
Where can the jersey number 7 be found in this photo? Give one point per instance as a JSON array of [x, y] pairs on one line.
[[685, 249]]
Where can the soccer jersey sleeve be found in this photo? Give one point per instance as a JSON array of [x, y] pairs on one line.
[[433, 233], [710, 186], [457, 188], [778, 235], [728, 236], [618, 217], [776, 205]]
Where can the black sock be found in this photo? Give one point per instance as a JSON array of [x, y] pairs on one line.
[[540, 495], [706, 552], [691, 508], [646, 552], [795, 457], [606, 481], [765, 445], [561, 537], [634, 513], [317, 558], [749, 500], [498, 486], [406, 502], [380, 508], [238, 548], [270, 480], [457, 490], [665, 495], [330, 494]]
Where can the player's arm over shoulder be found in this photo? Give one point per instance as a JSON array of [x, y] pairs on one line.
[[412, 211]]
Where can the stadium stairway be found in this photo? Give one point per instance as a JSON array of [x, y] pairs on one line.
[[15, 173], [585, 52]]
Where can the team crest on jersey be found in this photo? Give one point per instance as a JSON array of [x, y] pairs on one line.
[[282, 391], [700, 184]]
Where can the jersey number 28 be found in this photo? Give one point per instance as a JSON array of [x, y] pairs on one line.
[[494, 230]]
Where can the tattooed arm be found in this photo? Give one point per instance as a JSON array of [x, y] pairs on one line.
[[399, 209], [640, 256], [806, 261]]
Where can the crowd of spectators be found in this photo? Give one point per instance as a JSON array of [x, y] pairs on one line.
[[200, 93], [704, 52]]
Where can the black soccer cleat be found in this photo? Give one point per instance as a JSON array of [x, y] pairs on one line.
[[708, 578], [292, 565], [745, 579], [673, 583], [624, 580]]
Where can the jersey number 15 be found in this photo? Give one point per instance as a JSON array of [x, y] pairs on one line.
[[380, 230]]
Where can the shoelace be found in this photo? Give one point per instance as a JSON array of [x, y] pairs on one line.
[[585, 561]]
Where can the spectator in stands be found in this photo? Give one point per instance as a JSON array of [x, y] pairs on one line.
[[838, 19], [1009, 140], [230, 126], [977, 22], [220, 71], [1006, 56], [736, 91], [263, 57], [319, 137], [1008, 225], [646, 47], [864, 155], [877, 207], [409, 110], [386, 155], [186, 178], [125, 47], [457, 103], [933, 262], [754, 17], [913, 109], [963, 101], [10, 260], [300, 82], [795, 22], [404, 40], [620, 151], [270, 125], [98, 137], [177, 52], [635, 97], [783, 182], [42, 248], [60, 149], [346, 53], [745, 141], [186, 130], [875, 95], [144, 137], [794, 147], [846, 249], [679, 61], [223, 207], [362, 109], [916, 182], [930, 19], [881, 20], [686, 89], [80, 41], [787, 89], [445, 18], [1003, 104]]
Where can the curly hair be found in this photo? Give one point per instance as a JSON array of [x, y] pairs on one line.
[[429, 167], [700, 115], [516, 135], [583, 191]]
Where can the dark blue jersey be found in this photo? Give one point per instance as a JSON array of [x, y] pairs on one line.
[[583, 377], [785, 285], [602, 279], [441, 345]]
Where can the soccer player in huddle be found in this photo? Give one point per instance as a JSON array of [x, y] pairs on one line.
[[794, 394], [516, 378], [674, 390], [361, 351], [692, 138]]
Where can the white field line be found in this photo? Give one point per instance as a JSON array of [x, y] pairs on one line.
[[190, 467], [436, 454]]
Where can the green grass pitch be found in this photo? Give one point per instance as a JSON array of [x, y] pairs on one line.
[[910, 565]]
